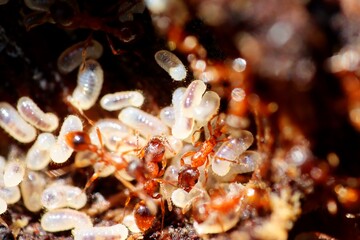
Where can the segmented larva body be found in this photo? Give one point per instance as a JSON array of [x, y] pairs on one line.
[[31, 188], [39, 5], [207, 108], [230, 150], [72, 57], [112, 132], [58, 220], [171, 64], [119, 100], [89, 84], [38, 156], [60, 151], [167, 115], [9, 194], [14, 172], [192, 97], [31, 113], [13, 124], [183, 126], [118, 232], [143, 122], [60, 196]]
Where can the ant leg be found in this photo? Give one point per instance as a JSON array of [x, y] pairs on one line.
[[188, 154], [162, 206], [91, 181], [125, 206], [207, 162], [113, 50], [227, 160], [193, 137]]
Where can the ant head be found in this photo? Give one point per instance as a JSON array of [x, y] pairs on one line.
[[78, 140]]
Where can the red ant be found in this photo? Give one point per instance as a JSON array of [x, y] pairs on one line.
[[189, 175], [147, 172], [80, 141]]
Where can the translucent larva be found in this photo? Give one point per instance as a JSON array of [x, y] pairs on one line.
[[39, 5], [3, 206], [143, 122], [183, 126], [207, 108], [72, 57], [13, 124], [38, 156], [14, 173], [171, 64], [9, 194], [60, 151], [64, 219], [118, 232], [230, 151], [31, 113], [31, 189], [89, 84], [60, 196], [112, 132], [167, 116], [119, 100], [192, 97]]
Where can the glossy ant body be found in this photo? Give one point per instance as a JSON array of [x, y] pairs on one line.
[[189, 174]]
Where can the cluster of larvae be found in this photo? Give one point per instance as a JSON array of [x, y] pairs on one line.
[[168, 152]]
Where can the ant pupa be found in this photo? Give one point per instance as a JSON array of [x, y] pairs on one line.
[[145, 123], [89, 84], [64, 219], [118, 232], [60, 151], [230, 150], [72, 57], [31, 113], [31, 188], [10, 195], [171, 64], [119, 100], [13, 124]]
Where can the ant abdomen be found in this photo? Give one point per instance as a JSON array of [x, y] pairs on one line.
[[143, 217], [188, 177]]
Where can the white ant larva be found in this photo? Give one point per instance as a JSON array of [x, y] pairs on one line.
[[89, 84], [118, 232], [60, 151], [119, 100], [31, 188], [207, 108], [112, 132], [147, 124], [72, 57], [38, 156], [192, 97], [171, 64], [9, 194], [31, 113], [60, 196], [167, 115], [183, 126], [15, 168], [230, 151], [64, 219], [12, 123]]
